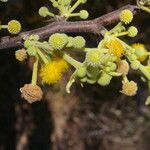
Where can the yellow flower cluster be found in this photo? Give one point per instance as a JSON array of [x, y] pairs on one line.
[[52, 72], [115, 48]]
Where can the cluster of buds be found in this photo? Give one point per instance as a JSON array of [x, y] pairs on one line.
[[111, 58], [65, 9], [52, 58]]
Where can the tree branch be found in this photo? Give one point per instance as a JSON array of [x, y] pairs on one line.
[[94, 26]]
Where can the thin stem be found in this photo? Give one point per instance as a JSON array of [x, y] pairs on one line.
[[35, 71], [50, 14], [75, 6], [43, 46], [144, 71], [74, 14], [145, 8], [70, 60], [120, 34], [4, 26], [115, 28], [42, 56]]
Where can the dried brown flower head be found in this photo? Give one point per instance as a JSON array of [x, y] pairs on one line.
[[31, 93]]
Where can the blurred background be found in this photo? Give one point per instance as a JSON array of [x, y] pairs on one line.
[[90, 118]]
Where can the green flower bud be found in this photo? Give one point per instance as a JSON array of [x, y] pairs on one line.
[[135, 65], [78, 42], [32, 51], [113, 67], [55, 4], [81, 72], [104, 79], [43, 11], [58, 41], [70, 42], [92, 72], [132, 31], [93, 57], [28, 43], [84, 14]]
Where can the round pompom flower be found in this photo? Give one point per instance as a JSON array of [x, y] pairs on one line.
[[140, 51], [14, 27], [123, 67], [126, 16], [78, 42], [63, 65], [129, 88], [115, 48], [31, 93], [84, 14], [132, 31], [51, 72], [57, 41], [21, 54], [43, 11], [93, 58]]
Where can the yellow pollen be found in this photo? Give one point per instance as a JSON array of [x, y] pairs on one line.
[[115, 48]]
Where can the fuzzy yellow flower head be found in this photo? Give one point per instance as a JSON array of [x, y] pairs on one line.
[[63, 65], [52, 72], [129, 88], [14, 27], [115, 48], [140, 51], [126, 16]]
